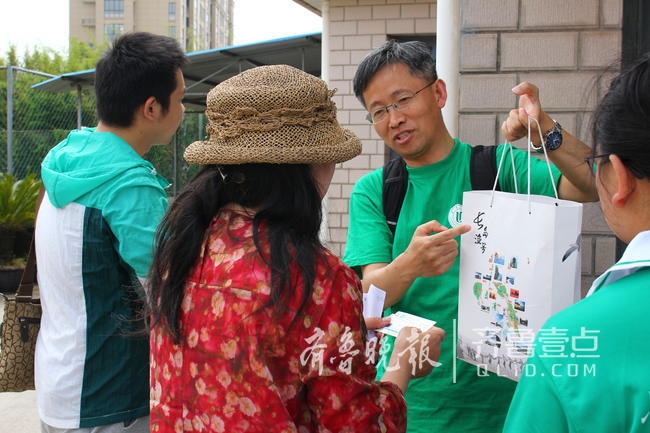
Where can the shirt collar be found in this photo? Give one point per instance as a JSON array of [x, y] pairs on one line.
[[636, 256]]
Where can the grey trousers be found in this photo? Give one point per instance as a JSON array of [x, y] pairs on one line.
[[138, 425]]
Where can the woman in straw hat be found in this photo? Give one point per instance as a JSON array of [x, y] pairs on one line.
[[256, 326]]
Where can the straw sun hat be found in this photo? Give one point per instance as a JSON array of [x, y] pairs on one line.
[[273, 114]]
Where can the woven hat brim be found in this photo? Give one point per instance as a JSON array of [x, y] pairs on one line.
[[208, 152]]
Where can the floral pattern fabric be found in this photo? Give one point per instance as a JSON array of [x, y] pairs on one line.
[[242, 368]]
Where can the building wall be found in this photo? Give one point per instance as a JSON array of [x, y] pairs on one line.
[[210, 21], [562, 46], [153, 16], [82, 20]]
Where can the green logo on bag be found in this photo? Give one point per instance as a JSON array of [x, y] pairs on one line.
[[455, 216]]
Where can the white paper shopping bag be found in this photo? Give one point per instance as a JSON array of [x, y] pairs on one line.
[[519, 264]]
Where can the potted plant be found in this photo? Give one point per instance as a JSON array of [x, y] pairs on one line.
[[17, 214]]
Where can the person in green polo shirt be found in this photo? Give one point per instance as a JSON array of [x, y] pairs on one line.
[[601, 381], [398, 85]]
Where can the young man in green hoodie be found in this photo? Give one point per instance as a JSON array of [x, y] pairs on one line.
[[94, 237]]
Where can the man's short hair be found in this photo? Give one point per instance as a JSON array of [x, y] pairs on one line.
[[414, 54], [136, 67]]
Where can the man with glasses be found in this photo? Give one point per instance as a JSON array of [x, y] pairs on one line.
[[416, 264]]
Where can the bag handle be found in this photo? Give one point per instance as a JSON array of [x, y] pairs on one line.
[[506, 148], [25, 292], [512, 159]]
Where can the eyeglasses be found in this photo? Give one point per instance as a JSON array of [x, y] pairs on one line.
[[380, 114], [591, 161], [593, 168]]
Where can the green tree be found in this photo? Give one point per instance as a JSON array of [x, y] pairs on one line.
[[42, 119]]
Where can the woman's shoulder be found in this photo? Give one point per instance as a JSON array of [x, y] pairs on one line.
[[334, 265], [335, 281]]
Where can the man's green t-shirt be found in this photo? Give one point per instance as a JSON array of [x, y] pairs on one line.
[[453, 398]]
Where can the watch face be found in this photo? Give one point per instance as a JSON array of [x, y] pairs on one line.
[[554, 140]]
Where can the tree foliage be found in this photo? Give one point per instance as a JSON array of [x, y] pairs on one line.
[[42, 119], [80, 56]]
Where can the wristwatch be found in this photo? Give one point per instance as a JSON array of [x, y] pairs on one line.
[[553, 138]]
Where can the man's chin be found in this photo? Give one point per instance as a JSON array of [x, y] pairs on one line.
[[408, 152]]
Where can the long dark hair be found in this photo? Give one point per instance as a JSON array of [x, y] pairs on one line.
[[621, 124], [286, 200]]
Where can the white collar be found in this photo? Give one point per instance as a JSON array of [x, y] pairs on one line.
[[636, 256]]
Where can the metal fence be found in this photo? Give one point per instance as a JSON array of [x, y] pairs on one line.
[[33, 121]]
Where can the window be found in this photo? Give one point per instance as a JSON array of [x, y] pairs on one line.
[[112, 31], [172, 31], [171, 11], [113, 8]]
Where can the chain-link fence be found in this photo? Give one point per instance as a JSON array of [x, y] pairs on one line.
[[39, 120], [168, 159]]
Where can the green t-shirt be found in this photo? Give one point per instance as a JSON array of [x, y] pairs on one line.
[[435, 403], [602, 383]]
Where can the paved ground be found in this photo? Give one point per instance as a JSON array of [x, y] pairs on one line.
[[18, 413]]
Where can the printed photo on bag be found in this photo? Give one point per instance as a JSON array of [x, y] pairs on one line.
[[497, 275]]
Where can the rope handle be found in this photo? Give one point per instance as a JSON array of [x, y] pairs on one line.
[[514, 170]]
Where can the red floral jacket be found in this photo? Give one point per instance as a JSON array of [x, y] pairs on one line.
[[239, 368]]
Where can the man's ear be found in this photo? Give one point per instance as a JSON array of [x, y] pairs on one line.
[[440, 91], [625, 182], [150, 109]]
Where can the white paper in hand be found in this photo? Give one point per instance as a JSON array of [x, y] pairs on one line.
[[373, 302], [373, 305], [401, 320]]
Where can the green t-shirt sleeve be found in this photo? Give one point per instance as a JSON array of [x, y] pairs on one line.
[[536, 406], [539, 176], [369, 238], [133, 214]]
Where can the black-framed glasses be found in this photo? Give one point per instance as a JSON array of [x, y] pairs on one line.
[[591, 161], [378, 115]]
